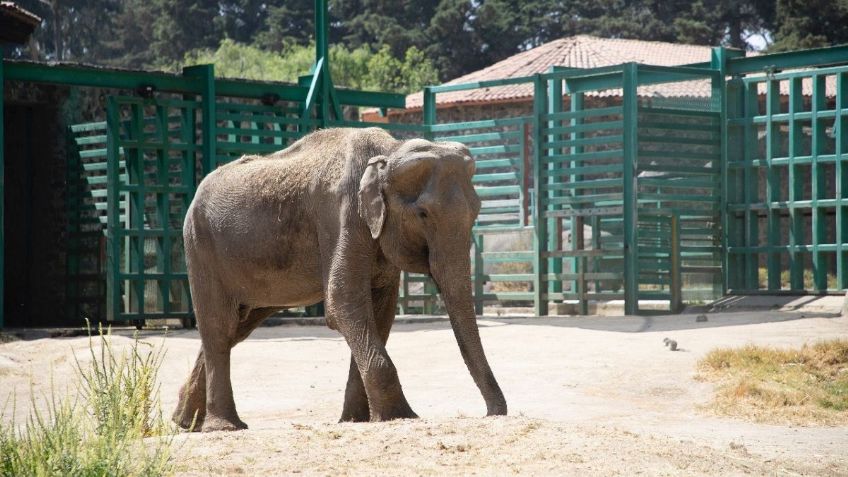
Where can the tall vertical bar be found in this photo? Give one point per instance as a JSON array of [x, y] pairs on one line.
[[555, 223], [631, 262], [718, 61], [113, 243], [796, 216], [2, 200], [818, 186], [540, 235], [751, 185], [206, 75], [772, 184], [839, 127], [321, 30]]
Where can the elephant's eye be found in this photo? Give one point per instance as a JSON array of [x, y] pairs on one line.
[[422, 213]]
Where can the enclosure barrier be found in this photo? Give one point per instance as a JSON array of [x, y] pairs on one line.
[[640, 197]]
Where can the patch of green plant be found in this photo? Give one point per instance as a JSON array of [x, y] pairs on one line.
[[115, 426], [807, 385]]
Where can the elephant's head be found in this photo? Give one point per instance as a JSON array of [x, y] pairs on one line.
[[419, 204]]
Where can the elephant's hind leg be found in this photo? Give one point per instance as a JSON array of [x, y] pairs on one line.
[[191, 408], [356, 400], [218, 320]]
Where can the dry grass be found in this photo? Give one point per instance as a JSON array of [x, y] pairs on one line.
[[788, 386]]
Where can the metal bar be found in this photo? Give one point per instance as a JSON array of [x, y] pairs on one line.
[[793, 59], [751, 184], [796, 219], [446, 88], [113, 245], [554, 223], [772, 183], [819, 102], [718, 60], [577, 152], [631, 148], [2, 195], [540, 235], [205, 75], [676, 288], [841, 171], [478, 273]]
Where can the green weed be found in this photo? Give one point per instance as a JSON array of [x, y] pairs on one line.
[[115, 427]]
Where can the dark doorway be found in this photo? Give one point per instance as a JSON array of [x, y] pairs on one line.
[[34, 225]]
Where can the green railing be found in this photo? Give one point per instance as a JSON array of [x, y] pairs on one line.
[[618, 192], [787, 203]]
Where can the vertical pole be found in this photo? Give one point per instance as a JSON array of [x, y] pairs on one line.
[[2, 200], [478, 273], [208, 125], [429, 111], [676, 300], [113, 243], [773, 183], [321, 30], [540, 243], [631, 110], [795, 186], [820, 265], [430, 119], [555, 223], [577, 222], [718, 61], [841, 183], [751, 186]]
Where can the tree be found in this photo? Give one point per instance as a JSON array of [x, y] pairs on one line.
[[810, 24], [358, 68], [183, 25]]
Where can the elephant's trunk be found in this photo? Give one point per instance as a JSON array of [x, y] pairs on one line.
[[453, 280]]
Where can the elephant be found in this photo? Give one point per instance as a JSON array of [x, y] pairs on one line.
[[335, 216]]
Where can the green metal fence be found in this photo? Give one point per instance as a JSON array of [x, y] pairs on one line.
[[625, 176], [626, 194], [788, 181]]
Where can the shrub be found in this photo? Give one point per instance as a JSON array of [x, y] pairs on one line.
[[116, 427]]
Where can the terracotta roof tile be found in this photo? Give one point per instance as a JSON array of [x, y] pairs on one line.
[[580, 51]]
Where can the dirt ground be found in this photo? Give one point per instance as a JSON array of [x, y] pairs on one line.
[[585, 395]]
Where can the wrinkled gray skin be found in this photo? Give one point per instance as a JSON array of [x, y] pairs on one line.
[[335, 216]]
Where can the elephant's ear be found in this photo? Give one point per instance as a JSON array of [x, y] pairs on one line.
[[372, 206]]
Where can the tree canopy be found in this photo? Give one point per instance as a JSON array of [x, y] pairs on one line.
[[397, 45]]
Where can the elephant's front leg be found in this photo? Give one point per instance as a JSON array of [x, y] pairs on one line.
[[348, 303], [384, 301]]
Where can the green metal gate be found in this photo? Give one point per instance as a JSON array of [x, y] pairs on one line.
[[640, 176], [787, 180], [156, 143]]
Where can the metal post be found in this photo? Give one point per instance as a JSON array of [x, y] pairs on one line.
[[630, 130], [718, 61], [540, 243], [676, 299], [321, 30], [555, 223], [2, 201], [479, 245], [206, 75]]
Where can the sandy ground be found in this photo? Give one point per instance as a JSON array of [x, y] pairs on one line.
[[586, 395]]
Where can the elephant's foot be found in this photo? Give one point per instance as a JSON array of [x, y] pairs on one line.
[[399, 410], [497, 410], [216, 423], [190, 420], [190, 411], [355, 412]]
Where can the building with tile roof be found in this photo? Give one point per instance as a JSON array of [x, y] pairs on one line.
[[581, 51]]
